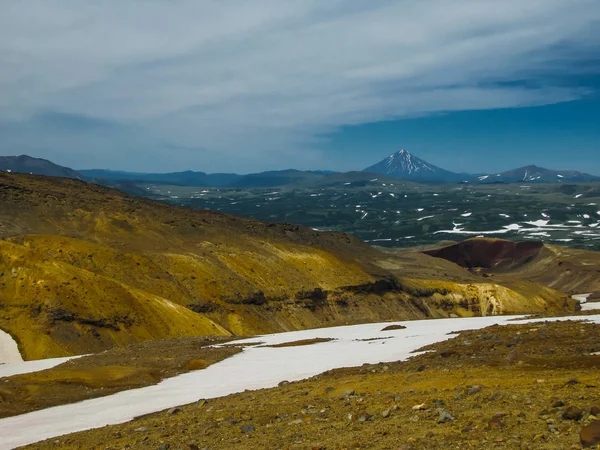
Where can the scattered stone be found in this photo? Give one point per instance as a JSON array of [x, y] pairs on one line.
[[348, 393], [421, 407], [248, 428], [304, 393], [472, 390], [283, 383], [365, 417], [496, 422], [445, 416], [385, 414], [174, 411], [558, 404], [164, 447], [438, 403], [590, 435], [573, 413], [141, 429], [572, 382], [595, 411]]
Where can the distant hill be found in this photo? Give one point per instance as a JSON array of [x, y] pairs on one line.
[[186, 178], [35, 166], [406, 166], [535, 174]]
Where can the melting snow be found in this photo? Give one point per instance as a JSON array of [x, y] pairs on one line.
[[466, 214], [9, 351]]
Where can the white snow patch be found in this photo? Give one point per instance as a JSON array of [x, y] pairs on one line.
[[423, 218], [585, 305], [8, 370], [466, 214], [578, 195], [9, 350], [538, 223]]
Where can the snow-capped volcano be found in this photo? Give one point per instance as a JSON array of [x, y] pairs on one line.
[[407, 166]]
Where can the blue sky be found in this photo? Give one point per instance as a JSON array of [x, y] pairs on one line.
[[469, 85]]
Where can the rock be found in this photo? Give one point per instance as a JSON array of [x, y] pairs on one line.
[[445, 416], [1, 274], [164, 447], [558, 404], [496, 423], [572, 382], [192, 447], [283, 383], [364, 417], [141, 429], [472, 390], [572, 413], [347, 393], [247, 428], [296, 422], [595, 411], [329, 389], [438, 403], [590, 435], [174, 411], [421, 407], [385, 414], [394, 327], [304, 393]]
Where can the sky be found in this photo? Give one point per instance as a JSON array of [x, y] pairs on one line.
[[236, 86]]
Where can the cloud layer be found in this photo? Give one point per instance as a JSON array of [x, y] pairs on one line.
[[243, 86]]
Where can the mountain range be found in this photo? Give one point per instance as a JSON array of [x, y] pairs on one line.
[[401, 165]]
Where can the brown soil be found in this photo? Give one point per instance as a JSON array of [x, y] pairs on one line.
[[109, 372], [510, 387], [489, 253], [301, 342]]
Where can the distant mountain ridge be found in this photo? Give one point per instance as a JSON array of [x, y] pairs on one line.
[[535, 174], [401, 165], [35, 166], [406, 166]]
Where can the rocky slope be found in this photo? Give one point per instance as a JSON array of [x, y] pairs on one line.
[[84, 268], [527, 386]]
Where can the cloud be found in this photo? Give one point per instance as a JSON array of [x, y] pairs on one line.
[[252, 85]]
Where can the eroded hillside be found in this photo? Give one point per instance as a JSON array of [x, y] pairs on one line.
[[85, 268]]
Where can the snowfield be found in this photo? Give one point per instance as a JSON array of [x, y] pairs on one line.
[[585, 305], [254, 368], [9, 351]]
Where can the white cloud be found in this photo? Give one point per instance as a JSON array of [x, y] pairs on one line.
[[252, 84]]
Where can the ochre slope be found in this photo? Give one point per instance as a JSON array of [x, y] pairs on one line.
[[86, 268], [565, 269]]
